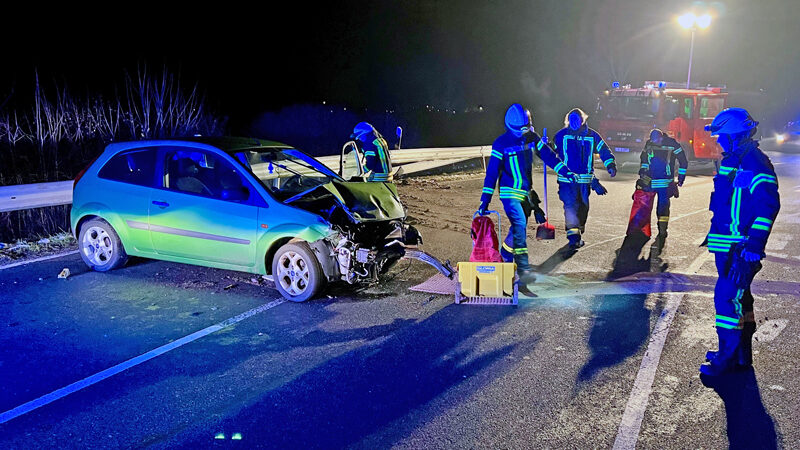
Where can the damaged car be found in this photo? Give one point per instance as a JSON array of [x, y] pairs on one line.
[[242, 204]]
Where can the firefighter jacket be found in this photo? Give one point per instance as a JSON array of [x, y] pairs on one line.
[[745, 201], [511, 162], [658, 162], [577, 148], [376, 156]]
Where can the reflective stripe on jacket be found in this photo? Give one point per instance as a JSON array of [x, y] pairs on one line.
[[577, 149], [745, 201]]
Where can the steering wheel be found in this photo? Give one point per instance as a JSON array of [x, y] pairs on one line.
[[293, 181]]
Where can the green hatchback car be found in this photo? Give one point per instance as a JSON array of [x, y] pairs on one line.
[[240, 204]]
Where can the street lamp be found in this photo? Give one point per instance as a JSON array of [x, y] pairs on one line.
[[693, 22]]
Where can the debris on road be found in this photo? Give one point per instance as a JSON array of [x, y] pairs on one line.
[[64, 273], [230, 286]]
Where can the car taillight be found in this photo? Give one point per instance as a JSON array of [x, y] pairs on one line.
[[82, 172]]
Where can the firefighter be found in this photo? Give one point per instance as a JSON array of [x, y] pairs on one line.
[[744, 204], [576, 145], [657, 175], [510, 164], [375, 150]]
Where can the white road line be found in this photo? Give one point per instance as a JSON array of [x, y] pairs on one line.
[[43, 258], [629, 427], [111, 371], [698, 263], [631, 423]]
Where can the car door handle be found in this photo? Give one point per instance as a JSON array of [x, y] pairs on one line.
[[160, 204]]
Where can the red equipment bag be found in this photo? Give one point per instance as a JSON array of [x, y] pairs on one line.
[[485, 245], [641, 211]]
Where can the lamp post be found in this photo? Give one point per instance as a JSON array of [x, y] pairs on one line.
[[692, 22]]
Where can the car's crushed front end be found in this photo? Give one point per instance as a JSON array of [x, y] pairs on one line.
[[368, 229]]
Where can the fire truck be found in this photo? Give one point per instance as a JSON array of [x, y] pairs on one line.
[[626, 116]]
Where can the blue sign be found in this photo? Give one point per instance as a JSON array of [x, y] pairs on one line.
[[485, 269]]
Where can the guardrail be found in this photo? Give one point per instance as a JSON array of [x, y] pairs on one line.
[[39, 195]]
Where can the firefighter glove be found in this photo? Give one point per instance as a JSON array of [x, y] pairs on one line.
[[643, 183], [538, 214], [743, 269], [672, 190], [681, 179], [598, 188], [482, 209], [612, 170]]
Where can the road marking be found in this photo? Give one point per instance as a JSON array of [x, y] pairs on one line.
[[629, 427], [698, 263], [770, 329], [111, 371], [43, 258], [631, 424]]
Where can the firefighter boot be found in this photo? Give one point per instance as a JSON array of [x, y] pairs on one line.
[[727, 357], [524, 271], [745, 354], [661, 238], [746, 346], [574, 238]]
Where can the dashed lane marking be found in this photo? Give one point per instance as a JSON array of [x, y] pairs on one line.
[[111, 371], [43, 258]]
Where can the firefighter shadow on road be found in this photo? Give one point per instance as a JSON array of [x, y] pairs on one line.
[[383, 390], [748, 422], [556, 259], [629, 261], [621, 324]]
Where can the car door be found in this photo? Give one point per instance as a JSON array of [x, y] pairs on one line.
[[205, 210], [127, 180]]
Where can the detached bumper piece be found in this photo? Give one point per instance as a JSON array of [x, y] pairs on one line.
[[445, 268], [487, 284]]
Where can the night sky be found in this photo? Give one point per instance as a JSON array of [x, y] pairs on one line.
[[549, 55]]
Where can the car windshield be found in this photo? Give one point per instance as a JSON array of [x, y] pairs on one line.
[[285, 172], [623, 107]]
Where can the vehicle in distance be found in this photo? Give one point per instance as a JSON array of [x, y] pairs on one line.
[[240, 204], [626, 115]]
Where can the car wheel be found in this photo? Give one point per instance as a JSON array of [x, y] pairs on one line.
[[100, 246], [296, 271]]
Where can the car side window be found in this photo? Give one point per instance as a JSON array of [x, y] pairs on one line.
[[206, 174], [133, 166]]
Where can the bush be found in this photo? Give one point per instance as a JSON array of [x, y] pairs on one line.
[[56, 136]]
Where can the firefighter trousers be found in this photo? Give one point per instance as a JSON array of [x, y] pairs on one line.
[[515, 245], [662, 207], [575, 197], [733, 305]]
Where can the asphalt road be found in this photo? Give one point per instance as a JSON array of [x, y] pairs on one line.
[[608, 351]]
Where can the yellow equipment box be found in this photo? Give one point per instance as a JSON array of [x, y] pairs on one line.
[[486, 279]]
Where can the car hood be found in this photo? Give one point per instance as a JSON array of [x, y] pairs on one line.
[[360, 201]]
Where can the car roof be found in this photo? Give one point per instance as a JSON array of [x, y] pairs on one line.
[[227, 144]]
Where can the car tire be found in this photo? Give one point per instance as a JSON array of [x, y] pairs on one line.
[[297, 273], [100, 246]]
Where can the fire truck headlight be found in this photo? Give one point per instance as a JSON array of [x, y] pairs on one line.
[[780, 138]]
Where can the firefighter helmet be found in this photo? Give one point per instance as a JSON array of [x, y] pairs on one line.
[[656, 135], [732, 121], [361, 129], [583, 117], [518, 120]]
